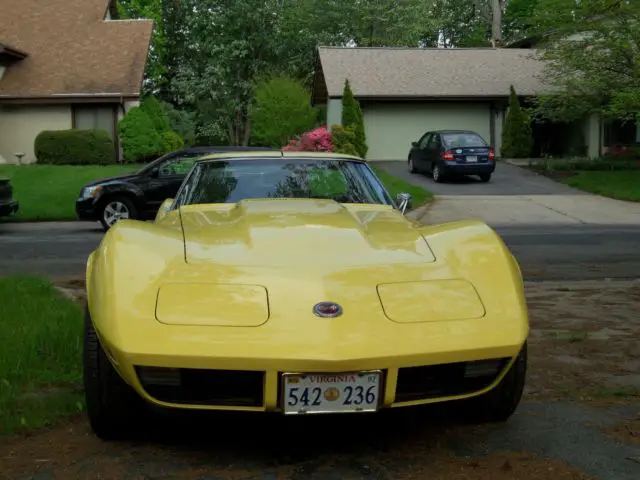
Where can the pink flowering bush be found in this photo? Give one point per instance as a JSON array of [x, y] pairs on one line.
[[316, 140]]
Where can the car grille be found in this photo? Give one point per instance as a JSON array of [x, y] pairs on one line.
[[451, 379], [238, 388]]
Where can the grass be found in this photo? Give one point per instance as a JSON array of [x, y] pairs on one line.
[[49, 192], [396, 185], [40, 360], [623, 185]]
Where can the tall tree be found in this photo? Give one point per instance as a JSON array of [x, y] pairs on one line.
[[592, 58]]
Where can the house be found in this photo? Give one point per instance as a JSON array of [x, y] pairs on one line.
[[66, 64], [405, 92]]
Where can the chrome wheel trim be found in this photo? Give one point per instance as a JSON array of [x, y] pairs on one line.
[[114, 211], [436, 173]]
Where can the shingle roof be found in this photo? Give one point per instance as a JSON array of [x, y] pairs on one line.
[[71, 49], [430, 72]]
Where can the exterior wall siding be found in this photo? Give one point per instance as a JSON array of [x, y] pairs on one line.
[[21, 124], [391, 127]]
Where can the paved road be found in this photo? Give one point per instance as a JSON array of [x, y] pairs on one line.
[[559, 252]]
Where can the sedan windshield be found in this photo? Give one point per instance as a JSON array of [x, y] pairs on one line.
[[230, 181]]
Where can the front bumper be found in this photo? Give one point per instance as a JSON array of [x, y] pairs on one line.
[[86, 209], [252, 381], [9, 208]]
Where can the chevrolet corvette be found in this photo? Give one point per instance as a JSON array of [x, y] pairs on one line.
[[293, 282]]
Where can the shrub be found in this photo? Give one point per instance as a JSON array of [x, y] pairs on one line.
[[140, 140], [171, 141], [281, 111], [75, 147], [343, 140], [317, 140], [352, 117], [517, 138], [153, 108]]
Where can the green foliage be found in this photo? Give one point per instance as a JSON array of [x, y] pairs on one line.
[[171, 141], [344, 140], [517, 139], [74, 147], [182, 122], [153, 108], [352, 117], [592, 59], [140, 140], [281, 111]]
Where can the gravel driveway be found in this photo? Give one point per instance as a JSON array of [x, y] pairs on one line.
[[579, 421]]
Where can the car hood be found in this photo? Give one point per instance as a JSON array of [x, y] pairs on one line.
[[300, 233], [115, 178]]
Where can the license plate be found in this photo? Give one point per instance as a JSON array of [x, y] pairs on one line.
[[472, 159], [331, 393]]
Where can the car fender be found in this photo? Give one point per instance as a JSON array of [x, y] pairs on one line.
[[119, 187], [473, 251], [124, 271]]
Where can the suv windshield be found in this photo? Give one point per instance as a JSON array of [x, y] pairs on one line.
[[463, 139], [230, 181]]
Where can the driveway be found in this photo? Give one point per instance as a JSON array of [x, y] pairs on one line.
[[516, 196]]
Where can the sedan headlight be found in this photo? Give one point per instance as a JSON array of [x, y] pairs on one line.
[[90, 192]]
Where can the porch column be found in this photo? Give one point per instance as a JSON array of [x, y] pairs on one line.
[[591, 130]]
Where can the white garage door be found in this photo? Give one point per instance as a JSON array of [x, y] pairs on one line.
[[391, 127]]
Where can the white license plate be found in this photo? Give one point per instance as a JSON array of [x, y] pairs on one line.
[[472, 159], [331, 393]]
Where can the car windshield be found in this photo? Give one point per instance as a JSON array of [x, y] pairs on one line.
[[463, 139], [222, 181]]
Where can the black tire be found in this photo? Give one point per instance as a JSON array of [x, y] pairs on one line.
[[485, 177], [117, 199], [114, 409], [411, 166], [498, 404], [437, 173]]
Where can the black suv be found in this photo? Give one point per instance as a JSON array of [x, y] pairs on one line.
[[8, 206], [139, 195]]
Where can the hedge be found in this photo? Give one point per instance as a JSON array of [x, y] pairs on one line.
[[75, 147]]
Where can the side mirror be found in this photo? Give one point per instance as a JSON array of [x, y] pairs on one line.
[[154, 173], [414, 144], [164, 209], [404, 201]]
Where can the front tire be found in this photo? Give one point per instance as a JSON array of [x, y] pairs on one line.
[[500, 403], [116, 208], [411, 166], [113, 407]]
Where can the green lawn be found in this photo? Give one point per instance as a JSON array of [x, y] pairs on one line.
[[40, 354], [49, 192], [623, 185], [396, 185]]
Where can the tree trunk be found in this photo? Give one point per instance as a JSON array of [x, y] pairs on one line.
[[496, 23]]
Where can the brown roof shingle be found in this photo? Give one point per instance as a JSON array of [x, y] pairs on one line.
[[431, 72], [71, 49]]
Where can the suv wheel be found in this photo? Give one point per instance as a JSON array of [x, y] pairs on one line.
[[116, 208]]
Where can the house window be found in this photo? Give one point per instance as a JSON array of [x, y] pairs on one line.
[[619, 132], [89, 117]]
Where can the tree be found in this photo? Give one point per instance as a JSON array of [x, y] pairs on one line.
[[517, 140], [281, 111], [353, 118], [592, 59]]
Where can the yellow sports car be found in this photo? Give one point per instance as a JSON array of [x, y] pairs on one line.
[[292, 282]]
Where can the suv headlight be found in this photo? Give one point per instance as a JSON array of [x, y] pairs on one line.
[[90, 192]]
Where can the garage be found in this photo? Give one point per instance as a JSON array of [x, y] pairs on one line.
[[405, 92], [391, 127]]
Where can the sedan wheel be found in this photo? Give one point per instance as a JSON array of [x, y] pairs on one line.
[[437, 174], [115, 209], [412, 168]]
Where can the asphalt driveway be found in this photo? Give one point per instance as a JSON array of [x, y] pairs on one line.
[[516, 196]]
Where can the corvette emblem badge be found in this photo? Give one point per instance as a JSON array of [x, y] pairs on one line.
[[327, 310]]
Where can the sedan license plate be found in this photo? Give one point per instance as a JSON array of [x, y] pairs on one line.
[[331, 393], [472, 159]]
